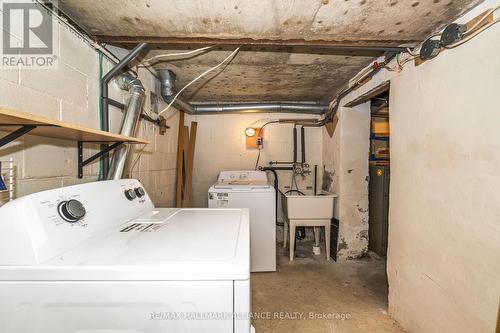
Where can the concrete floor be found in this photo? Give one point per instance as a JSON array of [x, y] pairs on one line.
[[353, 294]]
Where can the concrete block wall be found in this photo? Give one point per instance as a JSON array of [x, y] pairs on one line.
[[221, 145], [70, 92]]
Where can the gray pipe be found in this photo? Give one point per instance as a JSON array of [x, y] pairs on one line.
[[186, 107], [167, 80], [129, 123], [277, 107], [104, 95]]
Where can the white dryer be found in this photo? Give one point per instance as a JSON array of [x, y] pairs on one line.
[[251, 189], [99, 257]]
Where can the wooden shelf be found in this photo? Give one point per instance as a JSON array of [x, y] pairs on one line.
[[58, 129]]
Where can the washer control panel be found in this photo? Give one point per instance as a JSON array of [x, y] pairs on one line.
[[134, 193], [47, 223]]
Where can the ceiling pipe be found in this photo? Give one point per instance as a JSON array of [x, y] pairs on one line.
[[276, 107], [167, 80]]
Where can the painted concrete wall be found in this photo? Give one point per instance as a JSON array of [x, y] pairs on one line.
[[71, 93], [220, 145], [444, 230], [444, 235], [345, 156]]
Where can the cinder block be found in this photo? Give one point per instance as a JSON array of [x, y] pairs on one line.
[[23, 99], [170, 161], [14, 150], [92, 169], [78, 54], [76, 114], [147, 180], [10, 74], [200, 201], [93, 100], [28, 186], [201, 188], [162, 143], [62, 82], [46, 157], [161, 198], [313, 135], [70, 181]]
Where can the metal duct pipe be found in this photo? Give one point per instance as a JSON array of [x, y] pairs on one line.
[[283, 107], [307, 108], [104, 95], [167, 80], [186, 107], [128, 126]]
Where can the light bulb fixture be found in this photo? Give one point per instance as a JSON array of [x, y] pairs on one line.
[[250, 132]]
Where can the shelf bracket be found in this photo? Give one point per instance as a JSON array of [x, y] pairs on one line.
[[16, 134], [82, 162]]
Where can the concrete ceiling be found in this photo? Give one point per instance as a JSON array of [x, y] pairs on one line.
[[265, 73]]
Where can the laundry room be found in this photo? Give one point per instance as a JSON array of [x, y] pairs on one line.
[[241, 166]]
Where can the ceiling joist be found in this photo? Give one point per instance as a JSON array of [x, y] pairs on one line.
[[163, 42]]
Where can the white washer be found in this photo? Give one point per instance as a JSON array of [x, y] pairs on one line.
[[99, 257], [251, 189]]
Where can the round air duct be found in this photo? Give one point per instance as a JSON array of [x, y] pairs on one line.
[[167, 80]]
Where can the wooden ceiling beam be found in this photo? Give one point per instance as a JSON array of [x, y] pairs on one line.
[[359, 45]]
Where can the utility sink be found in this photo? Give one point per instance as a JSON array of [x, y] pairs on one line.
[[308, 206], [305, 209]]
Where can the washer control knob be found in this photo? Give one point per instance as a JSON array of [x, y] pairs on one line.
[[139, 191], [71, 211], [130, 194]]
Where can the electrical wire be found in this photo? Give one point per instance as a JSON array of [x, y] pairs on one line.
[[199, 77], [259, 120], [489, 12], [269, 122], [410, 52], [139, 154], [176, 54], [258, 158]]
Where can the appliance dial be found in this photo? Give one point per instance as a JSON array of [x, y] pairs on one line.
[[139, 191], [130, 194], [71, 211]]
